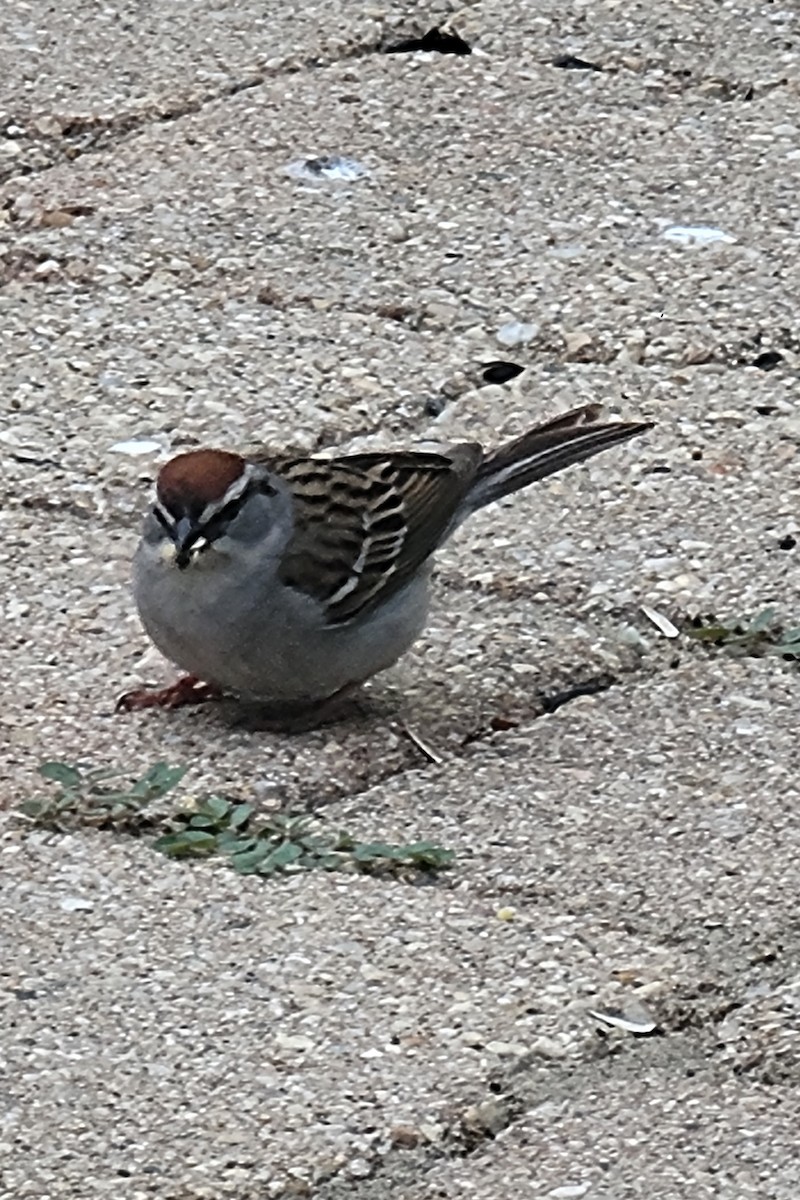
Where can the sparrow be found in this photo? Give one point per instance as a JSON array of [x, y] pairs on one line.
[[288, 581]]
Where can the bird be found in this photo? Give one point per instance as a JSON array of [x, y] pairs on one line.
[[289, 581]]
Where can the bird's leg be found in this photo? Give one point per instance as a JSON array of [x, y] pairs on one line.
[[186, 690]]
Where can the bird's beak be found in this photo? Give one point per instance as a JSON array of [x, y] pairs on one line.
[[185, 537], [182, 532]]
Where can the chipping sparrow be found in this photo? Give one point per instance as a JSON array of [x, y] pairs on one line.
[[288, 580]]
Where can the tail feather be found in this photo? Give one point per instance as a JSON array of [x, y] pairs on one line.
[[570, 438]]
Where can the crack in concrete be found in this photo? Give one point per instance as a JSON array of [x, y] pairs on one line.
[[80, 136], [84, 135], [687, 1044], [470, 1125]]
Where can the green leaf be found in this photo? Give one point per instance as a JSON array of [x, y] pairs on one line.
[[187, 843], [35, 807], [281, 820], [279, 858], [761, 621], [62, 773], [216, 808], [239, 815], [791, 635], [786, 648], [709, 633], [285, 854], [363, 851], [248, 861], [201, 821], [313, 843], [426, 854], [231, 841], [284, 827], [159, 780]]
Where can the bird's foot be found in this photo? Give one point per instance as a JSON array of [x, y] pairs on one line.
[[186, 690]]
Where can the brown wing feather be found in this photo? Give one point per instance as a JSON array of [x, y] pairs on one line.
[[365, 523]]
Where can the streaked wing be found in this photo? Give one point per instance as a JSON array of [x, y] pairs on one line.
[[365, 523]]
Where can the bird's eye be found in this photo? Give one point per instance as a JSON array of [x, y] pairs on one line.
[[218, 522]]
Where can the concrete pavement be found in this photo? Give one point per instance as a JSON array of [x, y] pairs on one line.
[[175, 1031]]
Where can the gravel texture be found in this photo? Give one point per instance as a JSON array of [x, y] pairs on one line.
[[628, 234]]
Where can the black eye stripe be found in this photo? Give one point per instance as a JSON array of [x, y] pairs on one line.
[[218, 520], [215, 525]]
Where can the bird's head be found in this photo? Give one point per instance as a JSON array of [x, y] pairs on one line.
[[211, 500]]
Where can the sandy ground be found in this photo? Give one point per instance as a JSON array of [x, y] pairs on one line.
[[178, 1032]]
